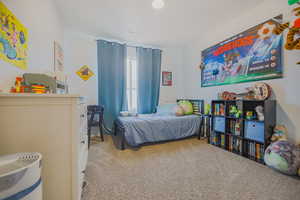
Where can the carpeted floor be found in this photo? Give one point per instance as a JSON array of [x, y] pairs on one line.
[[184, 170]]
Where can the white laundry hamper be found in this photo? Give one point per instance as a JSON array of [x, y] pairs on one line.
[[20, 177]]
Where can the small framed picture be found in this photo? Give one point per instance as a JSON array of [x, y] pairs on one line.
[[58, 57], [167, 79]]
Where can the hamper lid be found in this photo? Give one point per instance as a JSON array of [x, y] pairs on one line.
[[17, 162]]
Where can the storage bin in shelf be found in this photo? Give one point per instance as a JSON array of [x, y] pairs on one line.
[[252, 134], [219, 124], [255, 130]]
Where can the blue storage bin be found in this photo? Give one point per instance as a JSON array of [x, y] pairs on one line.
[[255, 131], [219, 124]]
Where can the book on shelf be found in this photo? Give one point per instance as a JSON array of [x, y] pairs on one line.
[[242, 134], [230, 145], [218, 140], [235, 127], [255, 150], [219, 109], [214, 139], [222, 140], [235, 144]]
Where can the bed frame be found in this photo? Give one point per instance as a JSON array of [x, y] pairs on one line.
[[118, 129]]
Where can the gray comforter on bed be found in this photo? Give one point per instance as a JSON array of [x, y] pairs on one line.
[[155, 128]]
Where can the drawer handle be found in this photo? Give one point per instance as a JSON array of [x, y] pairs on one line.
[[82, 142], [253, 125], [82, 116]]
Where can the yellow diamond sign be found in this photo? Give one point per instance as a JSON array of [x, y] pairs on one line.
[[85, 73]]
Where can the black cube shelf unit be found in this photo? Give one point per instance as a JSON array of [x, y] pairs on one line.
[[242, 136]]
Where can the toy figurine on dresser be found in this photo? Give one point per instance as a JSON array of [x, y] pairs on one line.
[[39, 84]]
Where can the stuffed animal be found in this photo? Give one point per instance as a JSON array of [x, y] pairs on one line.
[[280, 133], [187, 107], [284, 157], [235, 112], [179, 111], [260, 113], [293, 36], [207, 109]]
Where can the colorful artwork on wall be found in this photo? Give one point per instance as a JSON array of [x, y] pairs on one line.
[[253, 55], [13, 39], [293, 27], [291, 2], [58, 58], [167, 79], [85, 73]]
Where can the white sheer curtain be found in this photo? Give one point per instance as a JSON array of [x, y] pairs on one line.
[[131, 79]]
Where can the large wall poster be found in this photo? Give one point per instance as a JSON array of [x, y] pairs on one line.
[[13, 39], [253, 55]]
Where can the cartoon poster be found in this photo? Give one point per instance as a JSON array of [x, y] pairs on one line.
[[253, 55], [13, 39]]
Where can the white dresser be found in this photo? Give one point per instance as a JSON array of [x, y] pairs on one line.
[[56, 127]]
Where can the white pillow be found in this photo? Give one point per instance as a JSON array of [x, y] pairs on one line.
[[179, 111]]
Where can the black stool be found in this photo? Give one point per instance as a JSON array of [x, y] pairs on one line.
[[94, 110]]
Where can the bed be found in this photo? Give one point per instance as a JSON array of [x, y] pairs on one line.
[[135, 132]]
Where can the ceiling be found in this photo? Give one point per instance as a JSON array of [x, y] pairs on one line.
[[179, 22]]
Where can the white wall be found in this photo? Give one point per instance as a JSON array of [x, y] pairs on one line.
[[81, 49], [172, 60], [44, 27], [286, 90]]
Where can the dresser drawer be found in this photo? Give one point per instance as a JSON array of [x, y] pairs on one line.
[[81, 183], [83, 153], [83, 127], [83, 121], [83, 112]]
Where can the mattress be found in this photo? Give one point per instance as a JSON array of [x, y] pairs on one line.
[[155, 128]]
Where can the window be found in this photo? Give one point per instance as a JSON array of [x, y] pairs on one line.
[[131, 84]]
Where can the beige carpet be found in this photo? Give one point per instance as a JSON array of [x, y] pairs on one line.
[[184, 170]]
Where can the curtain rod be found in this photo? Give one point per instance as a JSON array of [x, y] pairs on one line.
[[129, 44], [143, 46]]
